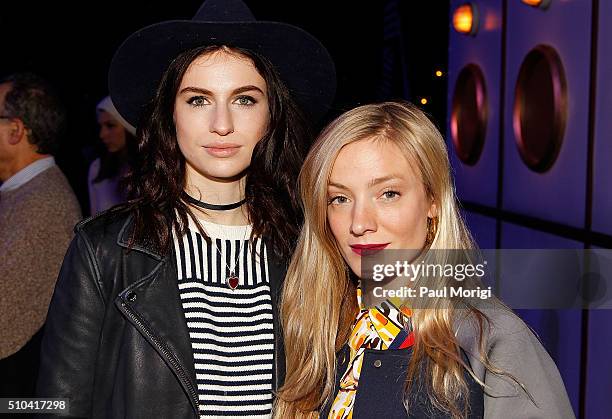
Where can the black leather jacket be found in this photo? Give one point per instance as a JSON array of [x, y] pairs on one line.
[[116, 342]]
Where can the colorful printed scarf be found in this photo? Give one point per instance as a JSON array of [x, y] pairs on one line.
[[377, 328]]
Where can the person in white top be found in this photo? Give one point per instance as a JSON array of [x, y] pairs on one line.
[[105, 173]]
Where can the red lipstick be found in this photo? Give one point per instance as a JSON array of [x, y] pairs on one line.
[[368, 249]]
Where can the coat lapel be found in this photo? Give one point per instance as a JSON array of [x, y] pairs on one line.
[[277, 271], [152, 304]]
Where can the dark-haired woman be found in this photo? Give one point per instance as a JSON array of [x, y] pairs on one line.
[[106, 173], [167, 307]]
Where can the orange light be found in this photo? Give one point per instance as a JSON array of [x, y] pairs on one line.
[[438, 73], [465, 19], [540, 4], [423, 101]]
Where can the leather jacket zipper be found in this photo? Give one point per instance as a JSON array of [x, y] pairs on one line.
[[156, 342]]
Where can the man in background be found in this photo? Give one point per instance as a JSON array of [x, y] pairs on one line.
[[38, 211]]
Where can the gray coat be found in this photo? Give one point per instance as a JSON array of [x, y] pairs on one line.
[[512, 347]]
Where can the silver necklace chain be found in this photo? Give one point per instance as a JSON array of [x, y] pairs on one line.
[[231, 280]]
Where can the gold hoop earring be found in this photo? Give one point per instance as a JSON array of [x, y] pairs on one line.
[[432, 230]]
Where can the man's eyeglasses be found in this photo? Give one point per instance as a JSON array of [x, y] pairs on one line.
[[6, 117]]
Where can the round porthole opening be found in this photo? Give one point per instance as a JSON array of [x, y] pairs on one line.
[[540, 108], [468, 120]]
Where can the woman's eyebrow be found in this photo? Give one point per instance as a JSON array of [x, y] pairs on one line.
[[379, 180], [195, 90], [337, 185], [247, 89]]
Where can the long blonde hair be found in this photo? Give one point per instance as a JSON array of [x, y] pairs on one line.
[[319, 299]]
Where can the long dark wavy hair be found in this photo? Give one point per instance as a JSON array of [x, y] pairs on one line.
[[157, 179]]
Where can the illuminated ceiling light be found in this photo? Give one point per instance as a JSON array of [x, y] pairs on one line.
[[465, 19], [438, 73], [423, 101], [540, 4]]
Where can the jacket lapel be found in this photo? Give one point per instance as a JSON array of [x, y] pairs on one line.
[[277, 271], [152, 304]]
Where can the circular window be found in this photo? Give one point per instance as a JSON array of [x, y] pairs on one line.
[[469, 114], [540, 108]]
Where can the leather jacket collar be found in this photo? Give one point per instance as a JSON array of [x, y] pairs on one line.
[[123, 240]]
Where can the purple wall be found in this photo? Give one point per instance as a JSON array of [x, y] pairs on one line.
[[579, 342], [602, 167], [559, 330], [559, 194], [485, 51]]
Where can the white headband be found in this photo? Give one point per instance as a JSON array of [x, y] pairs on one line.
[[107, 105]]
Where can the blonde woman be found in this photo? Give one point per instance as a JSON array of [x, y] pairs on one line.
[[379, 178]]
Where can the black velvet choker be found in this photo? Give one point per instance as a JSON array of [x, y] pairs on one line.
[[214, 207]]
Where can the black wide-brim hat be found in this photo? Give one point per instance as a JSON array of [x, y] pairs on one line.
[[302, 62]]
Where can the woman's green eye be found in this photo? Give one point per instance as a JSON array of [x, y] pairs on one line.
[[197, 101], [245, 100]]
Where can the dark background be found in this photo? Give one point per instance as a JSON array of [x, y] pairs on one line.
[[382, 50]]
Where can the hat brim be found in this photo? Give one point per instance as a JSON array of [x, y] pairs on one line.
[[301, 60]]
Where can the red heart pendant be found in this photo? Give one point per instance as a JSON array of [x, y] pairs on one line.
[[232, 282]]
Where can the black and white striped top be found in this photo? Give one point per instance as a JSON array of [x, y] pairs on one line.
[[231, 331]]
